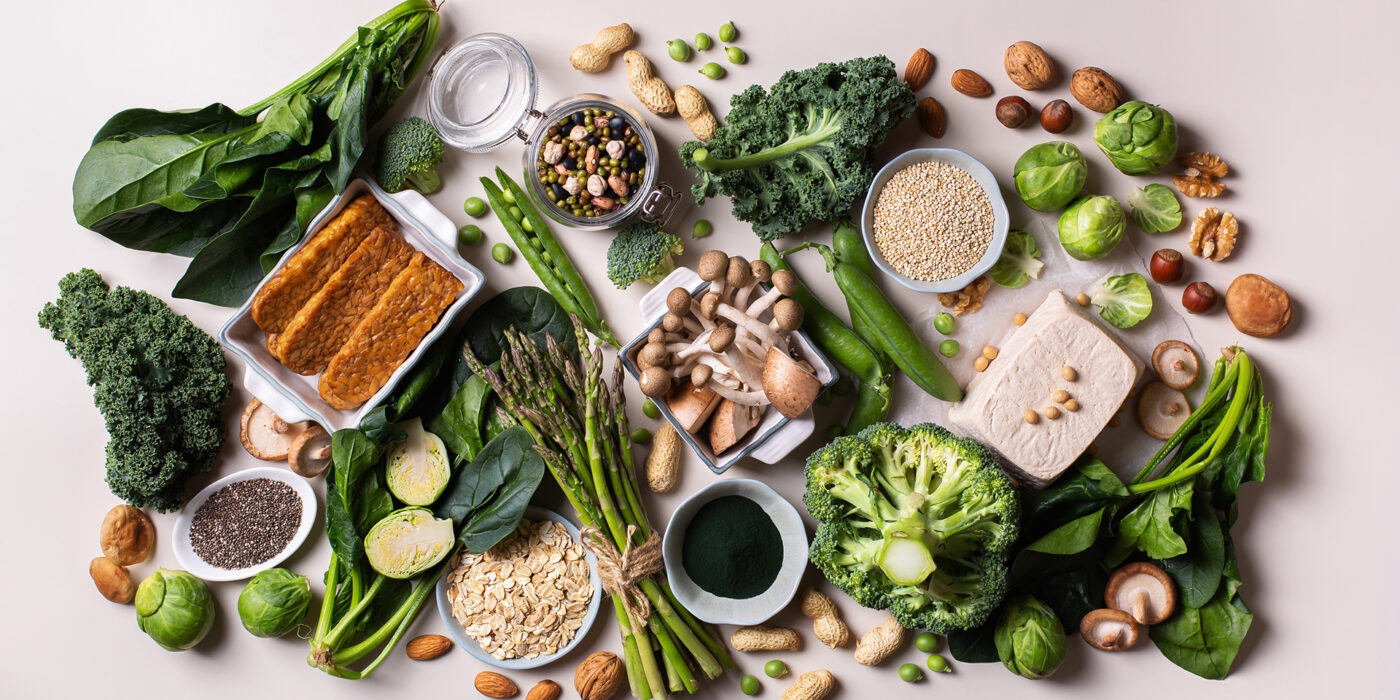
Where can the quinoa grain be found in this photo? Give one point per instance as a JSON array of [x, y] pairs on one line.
[[932, 221]]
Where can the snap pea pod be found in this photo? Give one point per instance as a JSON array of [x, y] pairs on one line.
[[846, 241]]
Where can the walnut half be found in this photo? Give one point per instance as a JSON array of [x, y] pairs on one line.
[[1200, 177], [1213, 234]]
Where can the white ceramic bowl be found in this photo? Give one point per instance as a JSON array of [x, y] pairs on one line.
[[184, 550], [1001, 221], [730, 611], [469, 645]]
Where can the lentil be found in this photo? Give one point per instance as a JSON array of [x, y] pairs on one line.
[[933, 221], [245, 523]]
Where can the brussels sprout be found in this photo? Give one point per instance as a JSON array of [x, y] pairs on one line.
[[1091, 227], [1019, 261], [1123, 300], [408, 542], [1155, 208], [1030, 640], [1138, 137], [274, 602], [1048, 176], [174, 608], [417, 469]]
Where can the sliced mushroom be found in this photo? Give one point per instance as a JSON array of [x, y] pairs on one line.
[[731, 422], [265, 435], [1176, 363], [311, 453], [791, 388], [1143, 591], [1162, 410], [692, 405], [1109, 630]]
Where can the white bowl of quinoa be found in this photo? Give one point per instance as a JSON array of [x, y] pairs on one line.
[[934, 219]]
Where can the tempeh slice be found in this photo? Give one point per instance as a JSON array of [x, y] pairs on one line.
[[389, 333], [325, 322], [278, 301]]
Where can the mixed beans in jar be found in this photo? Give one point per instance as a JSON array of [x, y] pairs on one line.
[[591, 162]]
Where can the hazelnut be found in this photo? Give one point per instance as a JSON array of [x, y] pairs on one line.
[[1013, 111], [1166, 266], [1056, 116], [1199, 297]]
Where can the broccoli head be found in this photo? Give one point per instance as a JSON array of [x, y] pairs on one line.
[[642, 252], [409, 153], [913, 520]]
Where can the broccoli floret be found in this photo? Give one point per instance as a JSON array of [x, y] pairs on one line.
[[642, 252], [157, 378], [800, 150], [914, 520], [409, 153]]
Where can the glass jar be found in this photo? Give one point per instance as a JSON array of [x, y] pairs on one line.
[[483, 94]]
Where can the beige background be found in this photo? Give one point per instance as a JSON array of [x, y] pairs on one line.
[[1300, 98]]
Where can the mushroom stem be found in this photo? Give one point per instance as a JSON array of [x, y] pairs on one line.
[[762, 303], [280, 426], [741, 296], [759, 329], [1110, 637], [1140, 601], [743, 398]]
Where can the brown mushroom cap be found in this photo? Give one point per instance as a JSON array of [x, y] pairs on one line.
[[700, 376], [655, 382], [709, 304], [656, 335], [789, 387], [1143, 591], [1257, 306], [266, 436], [1176, 363], [761, 271], [1162, 410], [788, 314], [652, 355], [738, 274], [721, 338], [712, 266], [672, 322], [1107, 629], [678, 301], [785, 281], [311, 453]]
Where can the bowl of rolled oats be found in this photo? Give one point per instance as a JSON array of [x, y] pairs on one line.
[[934, 219], [527, 601]]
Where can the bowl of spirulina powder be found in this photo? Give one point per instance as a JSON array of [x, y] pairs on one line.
[[244, 523], [735, 552]]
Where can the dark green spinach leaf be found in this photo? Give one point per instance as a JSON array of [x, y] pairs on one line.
[[530, 310], [459, 424], [1156, 525], [1197, 572], [1206, 640], [488, 496]]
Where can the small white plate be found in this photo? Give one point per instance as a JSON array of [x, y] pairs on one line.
[[469, 645], [184, 550], [732, 611]]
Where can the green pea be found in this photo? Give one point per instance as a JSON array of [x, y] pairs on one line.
[[727, 32], [641, 436], [703, 42], [678, 49], [944, 323], [926, 643], [736, 55], [470, 234], [702, 228], [834, 431], [508, 196], [712, 70], [938, 664], [748, 684], [525, 224], [910, 673], [651, 410], [474, 206], [515, 213], [949, 348], [502, 253], [775, 669]]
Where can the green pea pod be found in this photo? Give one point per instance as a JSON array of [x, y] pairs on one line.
[[543, 269], [850, 248], [871, 406], [893, 334], [835, 338]]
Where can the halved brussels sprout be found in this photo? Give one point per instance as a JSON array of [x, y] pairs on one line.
[[1029, 638], [1019, 261], [418, 469], [1123, 300], [1155, 208], [1091, 227], [174, 608], [274, 602], [408, 542], [1048, 176], [1138, 137]]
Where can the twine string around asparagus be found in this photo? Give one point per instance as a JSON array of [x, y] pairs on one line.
[[621, 571]]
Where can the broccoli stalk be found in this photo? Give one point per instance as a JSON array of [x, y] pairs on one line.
[[409, 153], [642, 252]]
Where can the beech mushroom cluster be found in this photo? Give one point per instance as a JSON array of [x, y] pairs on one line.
[[306, 446], [725, 356], [1137, 595]]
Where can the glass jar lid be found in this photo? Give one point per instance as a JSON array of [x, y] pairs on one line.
[[482, 90]]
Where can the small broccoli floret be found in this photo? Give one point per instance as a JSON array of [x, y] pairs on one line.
[[642, 252], [914, 520], [409, 153]]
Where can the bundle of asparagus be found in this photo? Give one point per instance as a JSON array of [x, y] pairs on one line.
[[580, 428]]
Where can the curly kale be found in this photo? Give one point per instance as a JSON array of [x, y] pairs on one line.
[[914, 520], [801, 150], [158, 380], [642, 252]]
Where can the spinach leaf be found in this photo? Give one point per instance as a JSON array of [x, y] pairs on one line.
[[977, 645], [1072, 593], [352, 455], [487, 498], [1156, 525], [1073, 537], [1206, 640], [1088, 486], [1197, 572], [130, 124], [459, 423], [120, 176], [530, 310]]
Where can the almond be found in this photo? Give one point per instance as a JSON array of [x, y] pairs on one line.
[[1028, 66], [544, 690], [970, 83], [919, 69], [428, 646], [931, 117], [494, 685], [1096, 89]]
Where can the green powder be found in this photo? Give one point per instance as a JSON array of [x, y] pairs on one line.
[[732, 549]]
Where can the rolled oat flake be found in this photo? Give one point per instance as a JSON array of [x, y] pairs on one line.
[[245, 523]]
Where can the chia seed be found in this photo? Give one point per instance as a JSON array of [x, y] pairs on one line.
[[245, 523]]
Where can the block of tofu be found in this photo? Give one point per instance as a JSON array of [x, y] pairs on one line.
[[1028, 371]]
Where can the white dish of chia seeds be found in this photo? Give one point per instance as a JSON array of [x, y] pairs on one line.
[[248, 538]]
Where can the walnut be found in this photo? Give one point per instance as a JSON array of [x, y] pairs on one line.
[[968, 299], [1199, 179], [1213, 234], [1204, 163], [1198, 186]]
